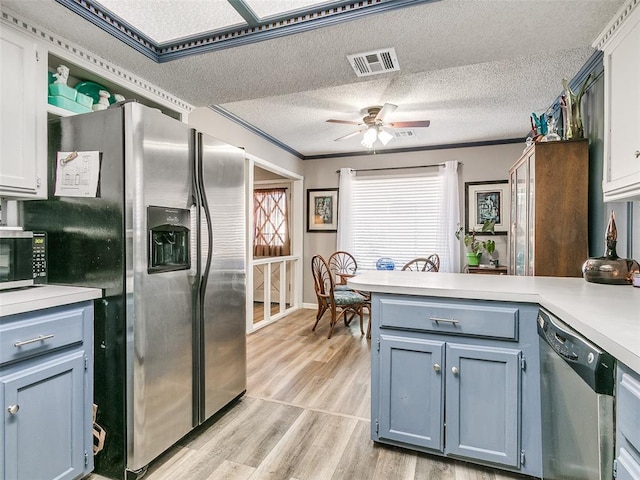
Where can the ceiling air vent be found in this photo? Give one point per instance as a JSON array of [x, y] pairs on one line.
[[403, 133], [374, 62]]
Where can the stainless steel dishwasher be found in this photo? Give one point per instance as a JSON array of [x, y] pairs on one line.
[[577, 383]]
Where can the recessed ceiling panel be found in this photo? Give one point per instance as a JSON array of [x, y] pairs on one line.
[[271, 8], [167, 20]]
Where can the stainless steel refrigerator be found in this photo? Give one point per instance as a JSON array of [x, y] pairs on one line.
[[164, 238]]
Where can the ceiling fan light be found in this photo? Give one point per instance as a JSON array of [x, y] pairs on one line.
[[384, 136], [369, 138]]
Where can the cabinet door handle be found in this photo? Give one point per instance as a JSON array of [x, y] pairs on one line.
[[445, 320], [436, 367], [39, 338], [455, 371], [637, 153], [13, 409]]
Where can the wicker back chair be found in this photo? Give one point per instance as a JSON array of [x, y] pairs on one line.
[[341, 262], [428, 264], [338, 302]]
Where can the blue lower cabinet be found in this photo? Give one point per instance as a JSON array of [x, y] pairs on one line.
[[42, 432], [627, 463], [411, 400], [483, 403], [459, 378], [46, 392]]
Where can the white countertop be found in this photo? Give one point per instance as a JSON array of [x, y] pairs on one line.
[[608, 315], [43, 296]]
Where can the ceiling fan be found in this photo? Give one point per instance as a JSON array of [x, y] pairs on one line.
[[374, 122]]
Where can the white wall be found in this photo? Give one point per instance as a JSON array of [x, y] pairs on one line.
[[479, 164], [214, 124]]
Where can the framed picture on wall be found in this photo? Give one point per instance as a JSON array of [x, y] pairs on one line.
[[322, 210], [487, 201]]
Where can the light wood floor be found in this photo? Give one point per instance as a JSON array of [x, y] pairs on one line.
[[258, 310], [305, 416]]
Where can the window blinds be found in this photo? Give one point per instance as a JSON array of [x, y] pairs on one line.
[[396, 217]]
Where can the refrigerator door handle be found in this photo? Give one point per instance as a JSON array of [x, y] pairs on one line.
[[195, 207], [204, 208]]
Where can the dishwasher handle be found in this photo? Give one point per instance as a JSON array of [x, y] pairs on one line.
[[595, 366]]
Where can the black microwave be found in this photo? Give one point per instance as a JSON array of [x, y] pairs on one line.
[[23, 260]]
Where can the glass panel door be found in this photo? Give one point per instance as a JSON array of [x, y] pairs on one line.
[[519, 207]]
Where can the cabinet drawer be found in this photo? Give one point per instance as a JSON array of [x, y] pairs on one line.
[[478, 318], [34, 334], [628, 404]]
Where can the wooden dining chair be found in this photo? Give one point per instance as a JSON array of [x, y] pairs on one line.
[[342, 262], [338, 302], [435, 259], [426, 264]]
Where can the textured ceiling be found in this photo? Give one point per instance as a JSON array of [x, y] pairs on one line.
[[475, 68]]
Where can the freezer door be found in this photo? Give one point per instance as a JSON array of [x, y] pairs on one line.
[[159, 303], [223, 289], [85, 236]]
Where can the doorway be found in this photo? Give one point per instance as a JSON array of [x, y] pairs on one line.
[[274, 282]]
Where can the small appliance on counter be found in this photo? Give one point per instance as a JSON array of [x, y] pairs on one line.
[[610, 268], [23, 259]]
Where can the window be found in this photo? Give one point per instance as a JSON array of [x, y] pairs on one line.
[[396, 217], [271, 223]]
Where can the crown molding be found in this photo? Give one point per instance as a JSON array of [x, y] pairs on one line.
[[444, 146], [87, 60], [255, 130], [610, 30], [255, 30]]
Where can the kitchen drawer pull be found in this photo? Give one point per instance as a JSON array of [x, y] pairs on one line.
[[39, 338], [445, 320]]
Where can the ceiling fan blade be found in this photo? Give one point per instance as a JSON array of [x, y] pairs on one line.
[[386, 109], [345, 122], [349, 135], [416, 124]]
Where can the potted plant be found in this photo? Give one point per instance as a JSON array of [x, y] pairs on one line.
[[475, 246]]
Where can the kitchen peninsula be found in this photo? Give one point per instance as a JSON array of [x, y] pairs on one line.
[[608, 315], [457, 369]]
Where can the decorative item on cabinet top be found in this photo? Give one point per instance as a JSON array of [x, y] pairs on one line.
[[610, 268], [84, 97], [103, 103], [572, 110], [63, 96], [93, 89]]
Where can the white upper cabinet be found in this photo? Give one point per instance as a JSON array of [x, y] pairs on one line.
[[28, 54], [620, 43], [23, 84]]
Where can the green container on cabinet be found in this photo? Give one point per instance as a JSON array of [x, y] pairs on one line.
[[67, 104], [61, 90], [84, 100]]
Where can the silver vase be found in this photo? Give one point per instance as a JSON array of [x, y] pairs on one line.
[[610, 268]]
